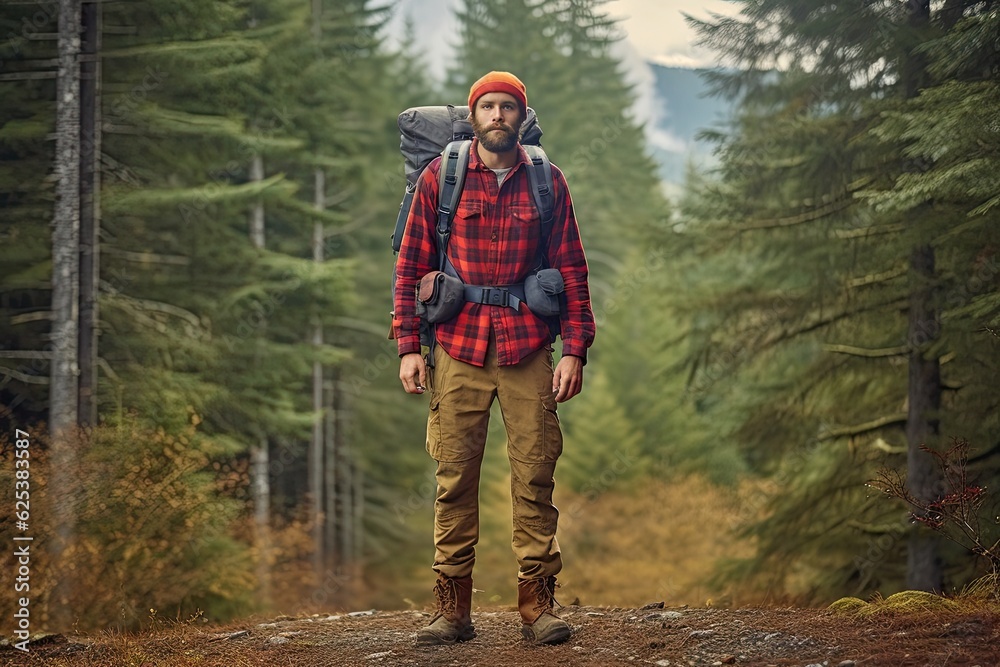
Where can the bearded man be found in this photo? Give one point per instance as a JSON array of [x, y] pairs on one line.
[[492, 351]]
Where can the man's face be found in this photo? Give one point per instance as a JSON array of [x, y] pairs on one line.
[[496, 121]]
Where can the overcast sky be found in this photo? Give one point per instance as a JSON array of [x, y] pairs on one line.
[[655, 29]]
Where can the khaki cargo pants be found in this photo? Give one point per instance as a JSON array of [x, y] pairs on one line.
[[461, 396]]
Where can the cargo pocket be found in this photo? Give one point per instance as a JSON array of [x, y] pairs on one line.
[[434, 426], [533, 434], [551, 444], [453, 436]]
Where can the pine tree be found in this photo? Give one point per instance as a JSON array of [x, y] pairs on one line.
[[27, 118], [829, 292]]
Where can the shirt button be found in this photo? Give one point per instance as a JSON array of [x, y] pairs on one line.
[[494, 237]]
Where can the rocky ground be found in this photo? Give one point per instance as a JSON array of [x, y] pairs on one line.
[[652, 635]]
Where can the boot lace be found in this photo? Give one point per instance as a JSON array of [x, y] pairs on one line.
[[545, 594], [446, 592]]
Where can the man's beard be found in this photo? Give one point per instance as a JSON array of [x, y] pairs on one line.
[[496, 138]]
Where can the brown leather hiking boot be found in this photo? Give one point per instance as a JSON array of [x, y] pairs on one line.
[[453, 622], [535, 600]]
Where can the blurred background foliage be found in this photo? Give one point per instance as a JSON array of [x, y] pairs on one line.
[[751, 368]]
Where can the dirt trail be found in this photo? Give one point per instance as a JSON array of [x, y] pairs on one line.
[[602, 637]]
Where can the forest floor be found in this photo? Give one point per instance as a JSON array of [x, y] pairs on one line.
[[602, 636]]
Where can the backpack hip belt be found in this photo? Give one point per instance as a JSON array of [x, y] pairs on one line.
[[508, 296]]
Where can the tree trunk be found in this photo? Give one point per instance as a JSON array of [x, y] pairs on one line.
[[359, 485], [316, 477], [331, 469], [923, 566], [923, 571], [66, 228], [347, 466], [257, 234], [260, 463], [260, 488], [359, 516], [63, 392], [90, 150]]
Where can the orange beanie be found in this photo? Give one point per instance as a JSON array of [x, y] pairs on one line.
[[499, 82]]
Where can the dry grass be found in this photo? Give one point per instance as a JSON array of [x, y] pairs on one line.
[[150, 531], [659, 540]]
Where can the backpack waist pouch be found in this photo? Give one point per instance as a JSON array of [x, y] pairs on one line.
[[440, 297], [542, 290]]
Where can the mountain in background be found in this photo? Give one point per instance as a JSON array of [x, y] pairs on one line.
[[683, 108]]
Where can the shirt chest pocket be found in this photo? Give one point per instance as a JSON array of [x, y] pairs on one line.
[[467, 210], [524, 227], [524, 214], [468, 226], [468, 221]]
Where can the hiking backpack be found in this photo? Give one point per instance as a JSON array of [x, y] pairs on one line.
[[427, 132]]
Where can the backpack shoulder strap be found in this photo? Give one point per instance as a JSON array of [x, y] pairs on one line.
[[540, 177], [451, 180]]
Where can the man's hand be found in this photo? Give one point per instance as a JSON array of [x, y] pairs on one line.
[[413, 373], [567, 380]]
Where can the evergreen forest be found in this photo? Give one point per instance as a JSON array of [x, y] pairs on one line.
[[196, 200]]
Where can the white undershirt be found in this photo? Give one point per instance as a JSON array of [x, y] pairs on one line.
[[501, 174]]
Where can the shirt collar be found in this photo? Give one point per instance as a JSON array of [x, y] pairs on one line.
[[476, 163]]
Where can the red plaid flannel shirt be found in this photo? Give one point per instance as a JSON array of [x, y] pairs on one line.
[[495, 238]]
